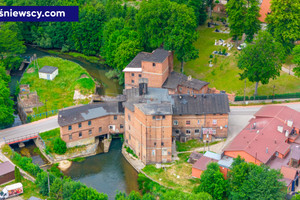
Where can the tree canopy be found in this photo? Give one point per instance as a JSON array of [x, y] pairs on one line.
[[284, 21], [296, 60], [262, 60]]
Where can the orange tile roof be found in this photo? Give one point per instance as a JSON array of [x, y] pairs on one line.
[[264, 10], [288, 172]]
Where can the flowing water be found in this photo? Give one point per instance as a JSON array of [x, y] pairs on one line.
[[106, 172]]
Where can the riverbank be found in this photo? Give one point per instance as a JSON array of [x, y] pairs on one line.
[[58, 93]]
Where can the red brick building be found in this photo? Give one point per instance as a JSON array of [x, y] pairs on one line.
[[80, 125], [157, 67]]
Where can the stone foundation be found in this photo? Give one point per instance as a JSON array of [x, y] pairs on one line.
[[82, 142]]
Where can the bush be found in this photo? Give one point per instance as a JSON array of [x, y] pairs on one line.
[[18, 176], [131, 151], [59, 146], [276, 96]]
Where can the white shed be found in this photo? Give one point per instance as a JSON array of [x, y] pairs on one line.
[[48, 72]]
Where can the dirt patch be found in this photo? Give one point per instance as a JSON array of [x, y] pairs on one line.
[[83, 76], [64, 165], [78, 96], [30, 70]]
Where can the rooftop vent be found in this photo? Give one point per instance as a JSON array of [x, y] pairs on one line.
[[189, 78], [267, 150], [257, 131], [254, 125], [290, 123], [280, 129]]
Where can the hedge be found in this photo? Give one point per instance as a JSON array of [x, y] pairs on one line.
[[276, 96]]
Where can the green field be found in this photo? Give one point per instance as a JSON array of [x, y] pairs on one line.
[[59, 92], [224, 75]]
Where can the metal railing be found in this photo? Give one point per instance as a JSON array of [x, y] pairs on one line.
[[21, 138]]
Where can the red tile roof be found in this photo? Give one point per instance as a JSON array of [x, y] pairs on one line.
[[265, 8], [263, 141], [203, 162], [282, 113], [288, 172]]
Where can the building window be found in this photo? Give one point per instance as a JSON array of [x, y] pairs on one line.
[[128, 127], [100, 129], [89, 122], [153, 64], [111, 127], [140, 75], [70, 128], [177, 131], [276, 154], [188, 132], [132, 74], [129, 117], [197, 131], [188, 122], [175, 122], [214, 122], [132, 81], [180, 89], [162, 144], [188, 92], [70, 137], [164, 151], [80, 134], [129, 137], [163, 117], [154, 143], [90, 132], [153, 117], [115, 117], [198, 121], [79, 125], [153, 152], [121, 126]]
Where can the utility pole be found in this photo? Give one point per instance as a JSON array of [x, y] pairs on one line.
[[46, 109]]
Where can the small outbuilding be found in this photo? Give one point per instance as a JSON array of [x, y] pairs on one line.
[[48, 72], [7, 172]]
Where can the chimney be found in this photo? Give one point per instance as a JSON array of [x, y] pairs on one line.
[[143, 86], [189, 78]]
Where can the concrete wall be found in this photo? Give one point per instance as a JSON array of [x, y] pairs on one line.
[[99, 126]]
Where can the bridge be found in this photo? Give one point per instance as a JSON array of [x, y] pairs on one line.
[[27, 131]]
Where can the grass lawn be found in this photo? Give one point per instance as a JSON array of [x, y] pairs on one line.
[[178, 176], [50, 136], [59, 92], [191, 144], [224, 75]]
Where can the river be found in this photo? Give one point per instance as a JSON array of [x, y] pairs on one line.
[[106, 172]]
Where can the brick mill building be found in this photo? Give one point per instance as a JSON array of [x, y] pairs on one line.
[[158, 106]]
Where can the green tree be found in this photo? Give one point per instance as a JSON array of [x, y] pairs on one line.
[[284, 22], [42, 182], [296, 197], [243, 18], [11, 45], [199, 10], [181, 33], [212, 181], [249, 181], [6, 105], [85, 193], [252, 23], [18, 176], [236, 15], [296, 60], [56, 191], [59, 146], [262, 60]]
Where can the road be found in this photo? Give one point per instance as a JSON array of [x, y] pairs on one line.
[[28, 129]]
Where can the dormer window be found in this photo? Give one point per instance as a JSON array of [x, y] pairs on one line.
[[153, 64]]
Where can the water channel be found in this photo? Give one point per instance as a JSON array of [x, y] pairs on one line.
[[106, 172]]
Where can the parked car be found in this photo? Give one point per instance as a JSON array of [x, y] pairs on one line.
[[11, 190]]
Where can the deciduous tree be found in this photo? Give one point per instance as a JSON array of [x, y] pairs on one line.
[[296, 60], [284, 21], [212, 181], [262, 60], [88, 194]]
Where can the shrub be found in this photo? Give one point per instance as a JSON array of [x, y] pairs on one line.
[[211, 56], [18, 176], [59, 146]]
